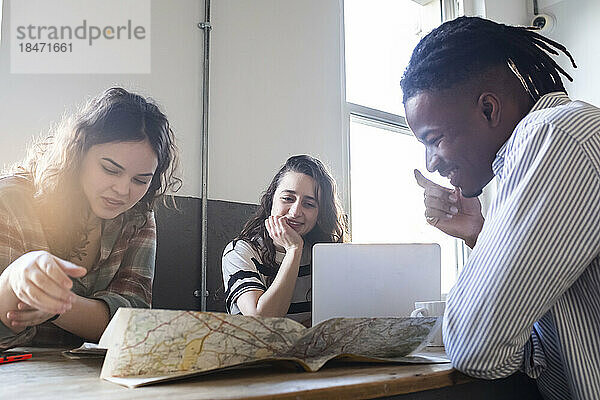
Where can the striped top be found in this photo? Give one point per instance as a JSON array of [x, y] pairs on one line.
[[243, 271], [529, 296]]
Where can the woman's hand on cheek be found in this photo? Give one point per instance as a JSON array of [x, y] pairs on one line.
[[27, 316], [282, 234]]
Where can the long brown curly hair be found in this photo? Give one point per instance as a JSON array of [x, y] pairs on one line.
[[53, 162], [330, 226]]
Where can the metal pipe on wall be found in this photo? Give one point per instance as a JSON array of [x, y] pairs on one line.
[[206, 27]]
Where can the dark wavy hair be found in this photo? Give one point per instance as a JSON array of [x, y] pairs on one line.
[[462, 49], [330, 226], [53, 162]]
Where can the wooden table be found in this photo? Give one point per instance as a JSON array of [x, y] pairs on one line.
[[50, 375]]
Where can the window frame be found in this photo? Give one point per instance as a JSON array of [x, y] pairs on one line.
[[449, 9]]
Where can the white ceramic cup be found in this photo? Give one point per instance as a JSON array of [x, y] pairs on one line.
[[431, 309]]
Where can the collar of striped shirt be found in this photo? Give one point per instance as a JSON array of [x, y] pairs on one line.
[[549, 100]]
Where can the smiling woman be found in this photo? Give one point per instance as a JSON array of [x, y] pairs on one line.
[[78, 234], [267, 268]]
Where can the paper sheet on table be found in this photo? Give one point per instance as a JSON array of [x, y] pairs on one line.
[[149, 346]]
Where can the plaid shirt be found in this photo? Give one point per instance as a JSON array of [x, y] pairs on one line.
[[122, 276]]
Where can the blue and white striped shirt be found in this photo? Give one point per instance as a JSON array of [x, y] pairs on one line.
[[529, 295]]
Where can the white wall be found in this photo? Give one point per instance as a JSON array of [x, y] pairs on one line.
[[28, 103], [577, 28], [275, 91], [513, 12]]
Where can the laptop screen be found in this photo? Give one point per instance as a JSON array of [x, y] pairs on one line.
[[373, 280]]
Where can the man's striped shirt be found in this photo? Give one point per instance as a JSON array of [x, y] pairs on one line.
[[529, 295]]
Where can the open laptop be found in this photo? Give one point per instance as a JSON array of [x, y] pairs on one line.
[[373, 280]]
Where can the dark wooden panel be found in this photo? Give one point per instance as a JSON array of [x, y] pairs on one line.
[[178, 264], [225, 221], [177, 273]]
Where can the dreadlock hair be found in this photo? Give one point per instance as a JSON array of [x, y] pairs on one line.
[[330, 226], [467, 47]]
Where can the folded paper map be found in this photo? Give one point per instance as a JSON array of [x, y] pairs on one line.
[[148, 346]]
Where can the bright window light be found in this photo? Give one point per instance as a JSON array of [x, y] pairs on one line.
[[380, 36], [386, 202]]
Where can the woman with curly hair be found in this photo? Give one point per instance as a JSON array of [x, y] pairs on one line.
[[267, 268], [78, 236]]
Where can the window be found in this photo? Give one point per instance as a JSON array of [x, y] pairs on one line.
[[387, 205], [379, 37]]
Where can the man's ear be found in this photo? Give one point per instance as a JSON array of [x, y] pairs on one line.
[[489, 105]]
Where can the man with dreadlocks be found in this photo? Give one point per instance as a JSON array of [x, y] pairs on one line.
[[487, 100]]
